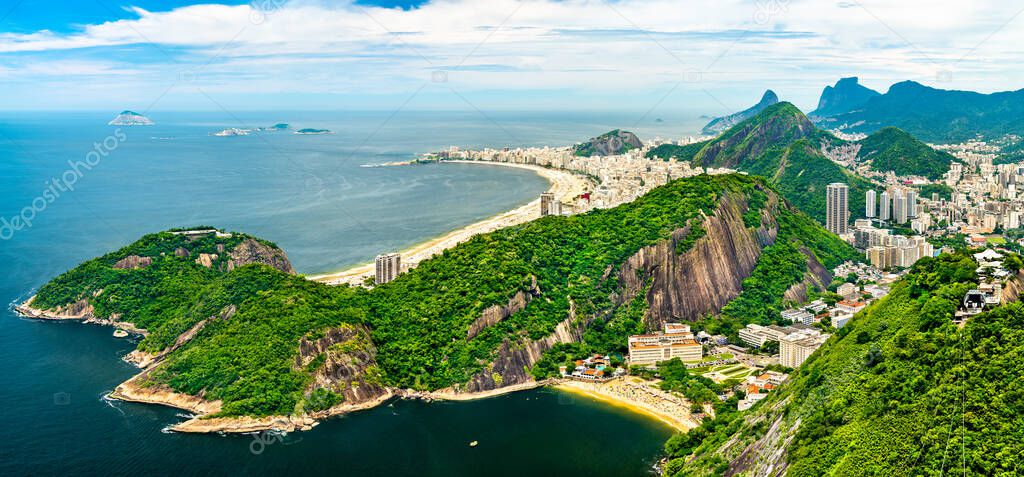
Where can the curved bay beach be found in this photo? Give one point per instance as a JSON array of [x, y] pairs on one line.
[[565, 186]]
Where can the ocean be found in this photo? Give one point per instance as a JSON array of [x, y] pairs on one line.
[[74, 188]]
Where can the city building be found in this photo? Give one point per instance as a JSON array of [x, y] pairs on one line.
[[848, 291], [870, 207], [837, 214], [757, 335], [798, 316], [547, 203], [674, 341], [388, 266], [885, 206], [912, 203], [899, 208], [796, 347]]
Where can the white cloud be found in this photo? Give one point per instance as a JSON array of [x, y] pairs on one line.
[[509, 45]]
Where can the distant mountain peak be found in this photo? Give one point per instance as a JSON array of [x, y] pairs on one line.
[[847, 94], [721, 124]]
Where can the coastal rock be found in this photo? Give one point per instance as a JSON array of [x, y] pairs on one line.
[[181, 252], [514, 358], [348, 367], [253, 251], [140, 389], [133, 262]]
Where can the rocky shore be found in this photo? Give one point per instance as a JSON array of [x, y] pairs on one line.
[[81, 311]]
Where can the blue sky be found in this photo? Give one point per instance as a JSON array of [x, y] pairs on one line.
[[661, 56]]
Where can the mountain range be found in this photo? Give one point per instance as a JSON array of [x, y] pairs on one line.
[[847, 95], [930, 114]]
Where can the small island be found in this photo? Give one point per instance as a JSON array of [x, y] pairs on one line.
[[229, 132], [130, 118], [310, 131]]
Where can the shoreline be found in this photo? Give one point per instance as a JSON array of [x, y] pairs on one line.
[[599, 392], [564, 184], [131, 390]]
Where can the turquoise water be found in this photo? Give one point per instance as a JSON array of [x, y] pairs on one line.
[[310, 195]]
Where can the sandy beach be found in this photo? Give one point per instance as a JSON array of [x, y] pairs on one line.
[[638, 396], [565, 185]]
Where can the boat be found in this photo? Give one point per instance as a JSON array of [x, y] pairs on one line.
[[474, 443]]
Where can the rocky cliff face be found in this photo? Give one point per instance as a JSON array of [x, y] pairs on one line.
[[702, 280], [133, 262], [496, 314], [514, 359], [348, 364], [252, 251], [817, 276], [683, 287]]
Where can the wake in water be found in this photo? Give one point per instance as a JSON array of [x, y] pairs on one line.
[[113, 403]]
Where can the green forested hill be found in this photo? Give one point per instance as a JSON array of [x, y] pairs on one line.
[[781, 144], [892, 149], [248, 320], [898, 391], [685, 153]]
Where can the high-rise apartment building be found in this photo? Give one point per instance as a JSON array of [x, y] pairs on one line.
[[837, 213], [870, 207], [388, 266]]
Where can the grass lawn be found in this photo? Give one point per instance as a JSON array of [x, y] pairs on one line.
[[996, 240]]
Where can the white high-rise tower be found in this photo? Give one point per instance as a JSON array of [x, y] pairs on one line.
[[869, 204], [837, 213]]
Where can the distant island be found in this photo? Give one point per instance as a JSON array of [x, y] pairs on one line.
[[130, 118], [313, 131], [229, 132]]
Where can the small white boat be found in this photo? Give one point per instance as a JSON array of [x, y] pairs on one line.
[[474, 443]]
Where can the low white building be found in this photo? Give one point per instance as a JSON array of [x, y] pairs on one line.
[[796, 347]]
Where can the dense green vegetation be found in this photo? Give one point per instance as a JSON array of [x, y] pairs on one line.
[[892, 149], [781, 144], [899, 389], [684, 153], [568, 256], [246, 360], [254, 316], [245, 352]]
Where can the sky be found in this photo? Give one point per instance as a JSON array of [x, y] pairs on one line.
[[716, 56]]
